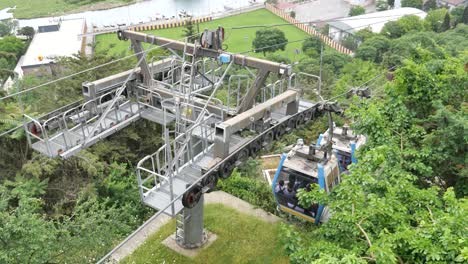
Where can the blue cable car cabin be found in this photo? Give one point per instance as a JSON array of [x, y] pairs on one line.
[[299, 169], [306, 165], [345, 144]]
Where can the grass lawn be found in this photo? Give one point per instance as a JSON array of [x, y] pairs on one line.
[[237, 40], [42, 8], [241, 239]]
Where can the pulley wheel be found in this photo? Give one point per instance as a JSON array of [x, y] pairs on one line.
[[210, 181], [192, 196], [280, 131]]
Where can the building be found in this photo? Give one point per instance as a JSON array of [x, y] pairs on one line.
[[344, 27], [452, 3], [286, 6], [51, 42]]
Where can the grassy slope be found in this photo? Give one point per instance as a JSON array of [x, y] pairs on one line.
[[42, 8], [238, 40], [241, 239]]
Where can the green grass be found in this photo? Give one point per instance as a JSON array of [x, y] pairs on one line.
[[237, 40], [42, 8], [241, 239]]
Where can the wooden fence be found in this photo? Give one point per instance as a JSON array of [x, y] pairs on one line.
[[326, 39]]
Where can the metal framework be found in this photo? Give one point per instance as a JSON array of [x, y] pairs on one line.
[[202, 134]]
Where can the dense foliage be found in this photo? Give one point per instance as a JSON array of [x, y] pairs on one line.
[[269, 40], [404, 202]]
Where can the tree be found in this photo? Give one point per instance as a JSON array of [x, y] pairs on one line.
[[396, 29], [412, 3], [456, 14], [350, 42], [366, 49], [392, 29], [434, 19], [189, 30], [13, 45], [381, 5], [356, 10], [464, 19], [312, 45], [292, 14], [6, 27], [28, 32], [391, 3], [446, 24], [389, 210], [269, 40]]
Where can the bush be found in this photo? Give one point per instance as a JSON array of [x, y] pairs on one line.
[[249, 190]]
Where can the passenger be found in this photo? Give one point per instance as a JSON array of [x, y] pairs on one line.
[[289, 192], [280, 187]]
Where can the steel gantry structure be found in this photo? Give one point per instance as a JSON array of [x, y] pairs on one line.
[[203, 140]]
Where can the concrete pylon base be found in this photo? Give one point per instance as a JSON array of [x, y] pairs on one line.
[[171, 243]]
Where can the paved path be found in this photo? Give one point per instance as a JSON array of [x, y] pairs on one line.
[[218, 197], [325, 9]]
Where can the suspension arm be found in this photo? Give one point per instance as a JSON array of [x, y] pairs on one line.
[[273, 67]]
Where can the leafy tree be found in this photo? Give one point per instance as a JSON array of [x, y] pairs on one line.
[[350, 42], [391, 3], [189, 30], [13, 45], [456, 14], [412, 3], [27, 31], [392, 29], [464, 19], [312, 44], [446, 24], [381, 5], [269, 40], [429, 5], [396, 29], [292, 14], [434, 19], [385, 211], [380, 43], [356, 10], [364, 34], [6, 27]]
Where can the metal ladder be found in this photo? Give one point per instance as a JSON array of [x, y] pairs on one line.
[[180, 226]]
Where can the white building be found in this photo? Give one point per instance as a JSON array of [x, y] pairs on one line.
[[52, 41], [341, 28]]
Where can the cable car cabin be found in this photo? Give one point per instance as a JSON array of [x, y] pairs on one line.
[[345, 144], [299, 169]]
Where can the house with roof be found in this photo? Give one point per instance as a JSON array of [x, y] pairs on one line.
[[52, 41], [341, 28], [452, 3]]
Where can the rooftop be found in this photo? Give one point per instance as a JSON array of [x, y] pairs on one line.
[[374, 21], [50, 45]]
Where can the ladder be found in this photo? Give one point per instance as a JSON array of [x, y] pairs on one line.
[[180, 226]]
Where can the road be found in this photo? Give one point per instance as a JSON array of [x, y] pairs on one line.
[[324, 9]]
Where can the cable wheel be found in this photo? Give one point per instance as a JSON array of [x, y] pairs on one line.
[[226, 169], [268, 140], [292, 123], [300, 120], [309, 115], [280, 131], [210, 181], [242, 156], [192, 196], [34, 129], [255, 148]]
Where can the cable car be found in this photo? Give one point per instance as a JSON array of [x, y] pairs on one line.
[[314, 164], [345, 144]]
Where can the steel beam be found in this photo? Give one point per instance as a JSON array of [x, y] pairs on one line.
[[224, 130], [238, 59], [249, 98]]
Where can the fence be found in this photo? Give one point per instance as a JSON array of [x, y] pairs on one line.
[[326, 39]]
